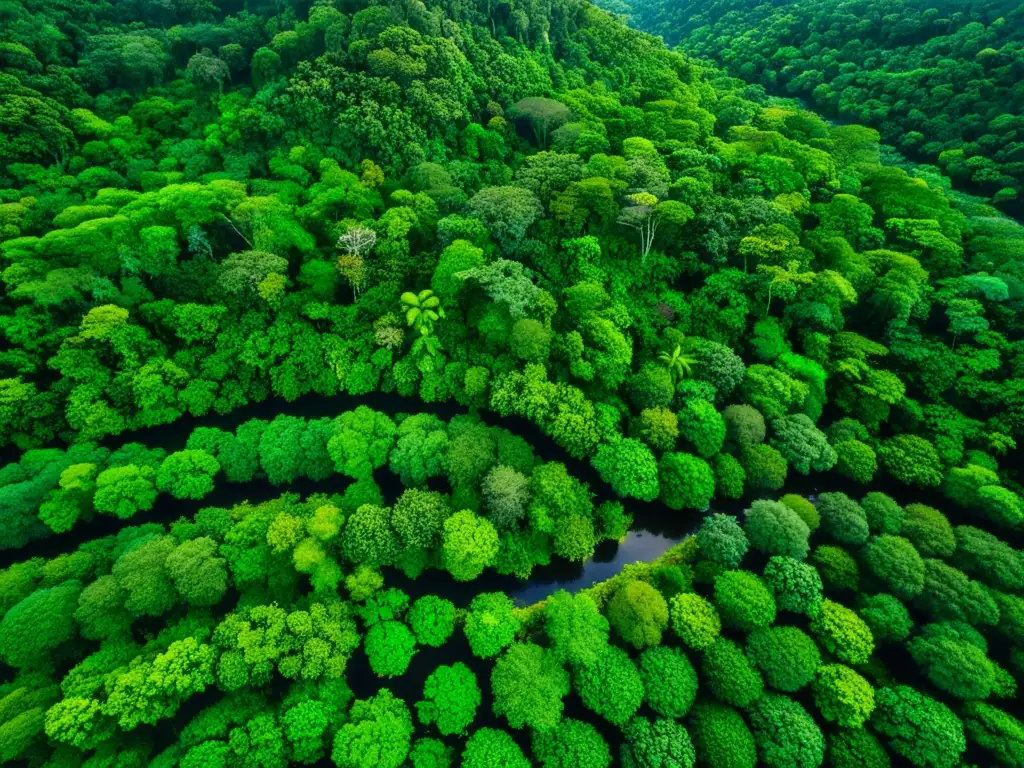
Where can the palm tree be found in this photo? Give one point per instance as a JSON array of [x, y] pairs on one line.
[[678, 363], [422, 310]]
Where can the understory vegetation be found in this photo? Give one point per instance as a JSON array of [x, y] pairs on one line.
[[546, 235]]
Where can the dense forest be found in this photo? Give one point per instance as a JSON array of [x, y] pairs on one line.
[[322, 322], [939, 79]]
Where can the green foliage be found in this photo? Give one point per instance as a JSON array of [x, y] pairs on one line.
[[469, 544], [999, 733], [843, 696], [450, 699], [837, 568], [894, 561], [929, 530], [775, 529], [722, 540], [730, 675], [842, 633], [883, 513], [37, 625], [630, 468], [390, 647], [377, 733], [919, 728], [612, 670], [886, 617], [786, 656], [703, 427], [660, 742], [856, 748], [842, 519], [721, 737], [187, 474], [743, 601], [432, 620], [577, 630], [687, 482], [638, 614], [796, 586], [489, 747], [669, 680], [528, 684], [491, 624], [785, 734], [694, 620], [573, 744]]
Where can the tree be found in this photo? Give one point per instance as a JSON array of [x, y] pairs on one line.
[[368, 538], [629, 467], [703, 427], [612, 671], [775, 529], [543, 115], [802, 444], [764, 466], [785, 734], [507, 212], [796, 586], [469, 544], [722, 540], [694, 620], [528, 685], [669, 680], [638, 613], [721, 737], [918, 728], [994, 730], [730, 675], [679, 364], [786, 656], [200, 577], [911, 460], [842, 633], [377, 733], [843, 696], [644, 213], [842, 519], [432, 620], [743, 601], [355, 244], [883, 513], [928, 530], [894, 561], [450, 699], [506, 493], [572, 744], [662, 742], [686, 481], [124, 491], [187, 474], [574, 625], [34, 628], [390, 647], [491, 748], [491, 624], [856, 748]]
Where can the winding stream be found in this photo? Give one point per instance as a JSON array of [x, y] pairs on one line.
[[655, 528]]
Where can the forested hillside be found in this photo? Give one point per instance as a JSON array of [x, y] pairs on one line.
[[604, 280], [941, 80]]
